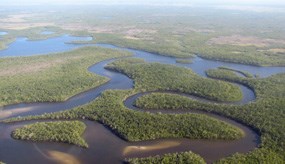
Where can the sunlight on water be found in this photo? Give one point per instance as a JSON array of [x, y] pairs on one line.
[[162, 145], [63, 158]]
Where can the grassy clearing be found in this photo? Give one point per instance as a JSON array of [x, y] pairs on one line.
[[51, 78], [173, 49], [173, 32], [174, 158], [61, 131], [194, 43]]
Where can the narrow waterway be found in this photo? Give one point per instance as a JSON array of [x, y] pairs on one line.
[[104, 146]]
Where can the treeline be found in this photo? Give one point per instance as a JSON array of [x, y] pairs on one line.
[[249, 55], [270, 87], [195, 43], [162, 77], [265, 115], [164, 101], [173, 158], [60, 131], [244, 73], [51, 78], [257, 156], [224, 74], [161, 47], [136, 126]]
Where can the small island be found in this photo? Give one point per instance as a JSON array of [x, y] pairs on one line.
[[59, 131]]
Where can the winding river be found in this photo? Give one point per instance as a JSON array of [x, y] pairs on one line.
[[106, 147]]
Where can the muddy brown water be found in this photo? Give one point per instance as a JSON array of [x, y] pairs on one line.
[[105, 146]]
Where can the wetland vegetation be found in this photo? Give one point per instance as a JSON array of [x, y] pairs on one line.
[[220, 35], [253, 38], [161, 77], [53, 77], [60, 131], [178, 158], [265, 115], [257, 156], [243, 73], [136, 126]]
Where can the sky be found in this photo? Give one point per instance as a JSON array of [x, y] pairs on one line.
[[155, 2]]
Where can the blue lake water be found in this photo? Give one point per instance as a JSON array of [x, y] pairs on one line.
[[3, 33], [25, 47], [47, 32]]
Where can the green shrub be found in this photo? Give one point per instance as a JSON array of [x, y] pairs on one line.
[[59, 131], [174, 158]]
